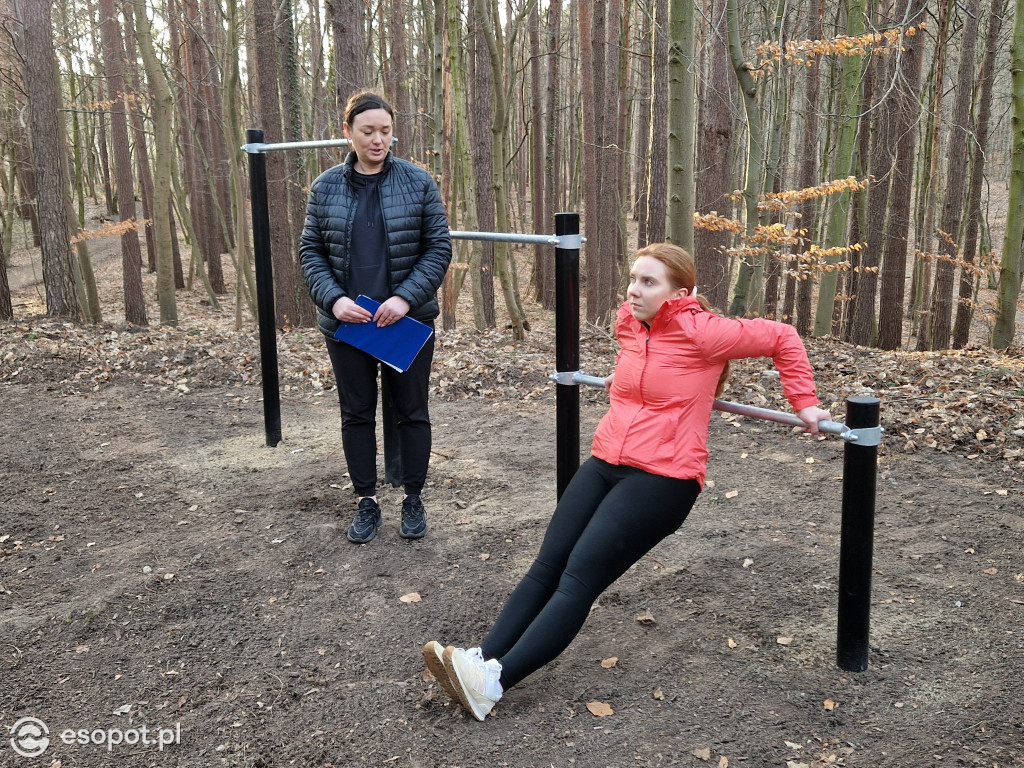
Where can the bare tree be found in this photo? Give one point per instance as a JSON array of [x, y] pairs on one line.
[[6, 308], [712, 175], [47, 149], [1010, 269], [481, 89], [986, 80], [131, 252], [163, 107], [349, 48], [657, 195], [285, 285], [906, 113]]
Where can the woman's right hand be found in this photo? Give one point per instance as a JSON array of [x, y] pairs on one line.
[[347, 311]]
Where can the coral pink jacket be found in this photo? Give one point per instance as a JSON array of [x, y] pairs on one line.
[[665, 380]]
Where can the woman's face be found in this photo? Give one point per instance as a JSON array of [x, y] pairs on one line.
[[370, 134], [649, 288]]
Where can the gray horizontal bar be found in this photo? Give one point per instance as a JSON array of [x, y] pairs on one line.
[[831, 427], [257, 148], [503, 237]]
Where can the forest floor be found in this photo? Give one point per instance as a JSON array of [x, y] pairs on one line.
[[166, 577]]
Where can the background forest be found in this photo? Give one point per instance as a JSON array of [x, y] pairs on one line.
[[845, 166]]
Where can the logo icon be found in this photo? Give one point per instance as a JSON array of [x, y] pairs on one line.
[[30, 737]]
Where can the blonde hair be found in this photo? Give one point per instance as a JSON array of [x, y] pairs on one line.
[[681, 272]]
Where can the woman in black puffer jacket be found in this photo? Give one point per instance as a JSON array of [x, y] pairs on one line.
[[375, 225]]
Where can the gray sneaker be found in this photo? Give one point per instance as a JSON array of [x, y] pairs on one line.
[[366, 522]]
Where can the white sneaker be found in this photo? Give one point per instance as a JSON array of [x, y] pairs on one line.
[[476, 681], [433, 655]]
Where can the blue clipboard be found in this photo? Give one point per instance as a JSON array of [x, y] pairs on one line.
[[396, 345]]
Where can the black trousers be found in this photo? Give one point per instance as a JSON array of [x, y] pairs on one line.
[[356, 375], [607, 519]]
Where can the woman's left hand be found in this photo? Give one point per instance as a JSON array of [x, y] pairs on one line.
[[391, 311], [811, 416]]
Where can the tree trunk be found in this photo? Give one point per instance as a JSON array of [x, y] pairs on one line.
[[849, 102], [552, 156], [682, 107], [145, 173], [879, 165], [218, 155], [203, 198], [642, 141], [657, 195], [969, 277], [591, 32], [712, 176], [543, 256], [906, 113], [746, 296], [1010, 270], [6, 308], [481, 104], [805, 277], [293, 163], [131, 252], [163, 106], [281, 248], [51, 182], [349, 49], [928, 187], [245, 280], [503, 261], [398, 76], [957, 152]]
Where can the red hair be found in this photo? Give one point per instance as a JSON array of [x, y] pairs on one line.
[[681, 273]]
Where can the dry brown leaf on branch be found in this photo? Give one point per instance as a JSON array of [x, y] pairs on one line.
[[599, 709]]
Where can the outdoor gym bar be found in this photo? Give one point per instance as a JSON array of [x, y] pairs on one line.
[[861, 433]]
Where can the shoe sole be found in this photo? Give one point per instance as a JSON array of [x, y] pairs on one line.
[[433, 655], [409, 535], [371, 537], [462, 695]]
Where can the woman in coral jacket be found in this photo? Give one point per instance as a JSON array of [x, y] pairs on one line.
[[646, 469]]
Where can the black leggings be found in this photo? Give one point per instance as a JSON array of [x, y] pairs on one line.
[[356, 375], [607, 519]]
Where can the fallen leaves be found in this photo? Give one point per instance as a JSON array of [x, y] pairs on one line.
[[599, 709], [411, 597]]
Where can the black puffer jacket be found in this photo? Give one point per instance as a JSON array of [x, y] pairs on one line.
[[419, 243]]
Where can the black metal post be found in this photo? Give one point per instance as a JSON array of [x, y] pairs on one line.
[[860, 466], [264, 289], [567, 351]]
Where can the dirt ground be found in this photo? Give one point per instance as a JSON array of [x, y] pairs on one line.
[[161, 568]]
